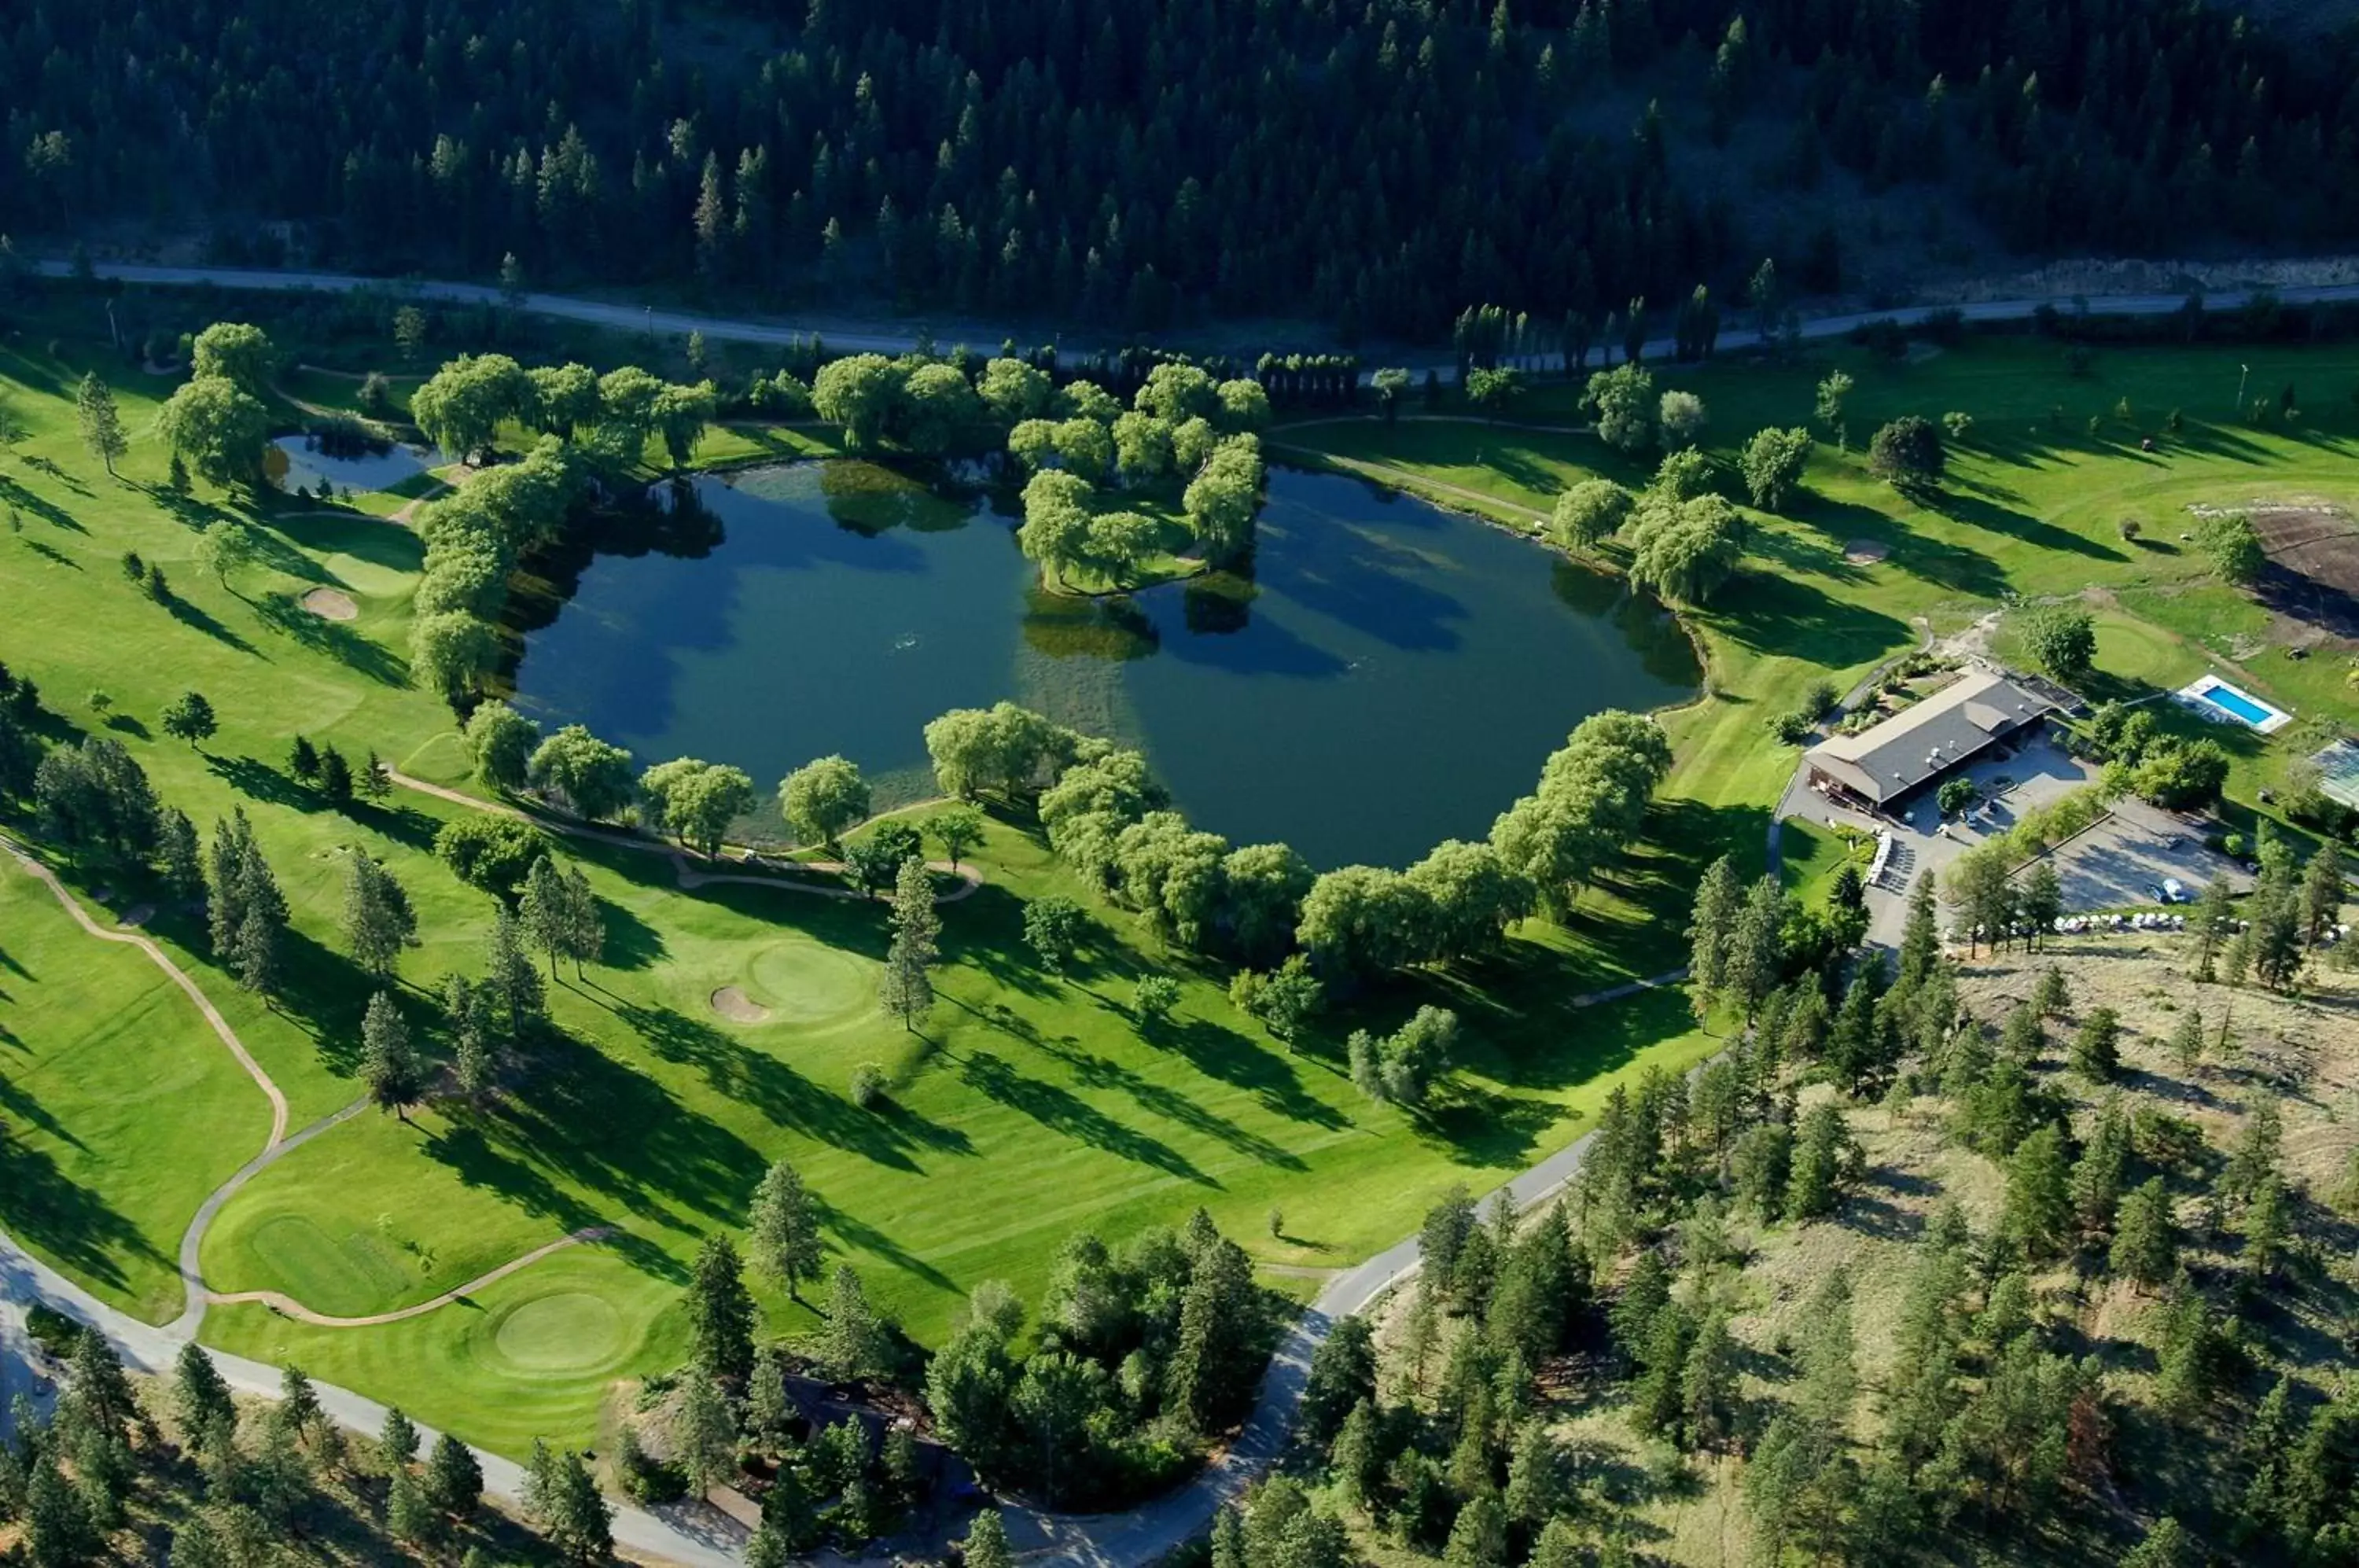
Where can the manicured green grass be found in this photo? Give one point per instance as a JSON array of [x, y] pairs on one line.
[[119, 1107], [1028, 1105]]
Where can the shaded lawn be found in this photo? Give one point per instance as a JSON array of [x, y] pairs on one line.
[[120, 1109]]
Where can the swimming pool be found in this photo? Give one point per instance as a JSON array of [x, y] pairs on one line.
[[2214, 698]]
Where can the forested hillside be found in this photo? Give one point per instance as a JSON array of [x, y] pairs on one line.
[[1380, 164]]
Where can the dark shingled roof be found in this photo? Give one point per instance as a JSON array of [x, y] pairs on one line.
[[1891, 758]]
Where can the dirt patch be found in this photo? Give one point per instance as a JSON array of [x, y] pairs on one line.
[[331, 604], [1865, 551], [137, 915], [738, 1007], [2312, 581]]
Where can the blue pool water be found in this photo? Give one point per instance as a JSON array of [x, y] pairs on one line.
[[2235, 701]]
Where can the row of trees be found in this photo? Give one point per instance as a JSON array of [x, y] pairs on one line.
[[473, 539], [463, 407]]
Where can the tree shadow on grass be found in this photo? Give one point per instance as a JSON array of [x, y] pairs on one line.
[[1097, 1072], [259, 780], [1976, 511], [787, 1098], [1063, 1111], [404, 824], [47, 1209], [15, 493], [631, 942], [854, 1231], [1234, 1057], [197, 619], [1943, 564], [337, 639], [611, 1129], [23, 1109], [49, 552], [1774, 613]]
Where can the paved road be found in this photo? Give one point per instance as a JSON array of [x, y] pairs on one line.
[[894, 337]]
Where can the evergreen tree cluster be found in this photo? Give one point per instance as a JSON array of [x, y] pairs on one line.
[[1139, 1355]]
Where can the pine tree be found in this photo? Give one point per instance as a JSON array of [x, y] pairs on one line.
[[2265, 1226], [2166, 1546], [720, 1312], [1921, 938], [854, 1343], [398, 1443], [102, 421], [907, 987], [99, 1382], [1708, 1385], [705, 1435], [1717, 902], [572, 1513], [586, 928], [1656, 1398], [176, 849], [1209, 1373], [1479, 1538], [2051, 997], [303, 760], [2145, 1240], [986, 1546], [2187, 1040], [784, 1230], [474, 1058], [378, 920], [454, 1478], [408, 1515], [2097, 1175], [233, 843], [335, 778], [2210, 927], [2097, 1046], [2321, 893], [200, 1397], [2038, 1193], [1357, 1460], [1818, 1162], [514, 983], [389, 1065], [261, 924], [543, 910]]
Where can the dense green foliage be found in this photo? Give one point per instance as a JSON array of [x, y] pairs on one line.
[[1384, 168]]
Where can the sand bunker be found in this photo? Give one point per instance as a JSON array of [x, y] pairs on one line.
[[331, 604], [137, 915], [738, 1007], [1864, 552]]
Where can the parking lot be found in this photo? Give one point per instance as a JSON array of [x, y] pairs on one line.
[[2121, 861], [2118, 864]]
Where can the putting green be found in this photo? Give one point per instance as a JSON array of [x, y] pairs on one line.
[[808, 985], [367, 577], [568, 1332]]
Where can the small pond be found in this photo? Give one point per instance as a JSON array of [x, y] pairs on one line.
[[298, 463], [1389, 676]]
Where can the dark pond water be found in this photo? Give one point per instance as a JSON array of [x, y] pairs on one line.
[[296, 462], [1390, 676]]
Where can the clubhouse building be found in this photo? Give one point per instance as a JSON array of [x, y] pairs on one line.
[[1879, 765]]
